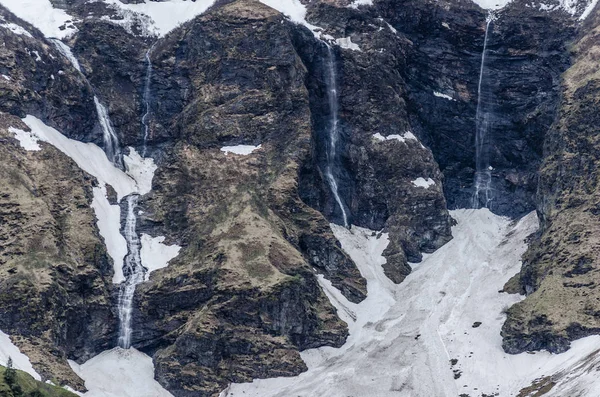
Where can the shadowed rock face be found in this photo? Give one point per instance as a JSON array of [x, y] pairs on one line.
[[560, 269], [520, 90]]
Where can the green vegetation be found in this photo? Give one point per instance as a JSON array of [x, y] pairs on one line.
[[15, 383]]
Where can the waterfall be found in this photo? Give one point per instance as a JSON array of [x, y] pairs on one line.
[[147, 97], [133, 270], [482, 196], [334, 132], [111, 141], [109, 136]]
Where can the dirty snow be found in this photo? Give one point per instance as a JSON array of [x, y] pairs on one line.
[[20, 360], [109, 225], [404, 336], [588, 10], [424, 183], [346, 42], [119, 373], [492, 4], [240, 149], [156, 255], [42, 15]]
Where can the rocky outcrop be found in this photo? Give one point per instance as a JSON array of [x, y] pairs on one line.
[[241, 298], [381, 160], [560, 269], [38, 80], [55, 275]]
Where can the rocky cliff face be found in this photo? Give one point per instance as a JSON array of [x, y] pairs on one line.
[[242, 297], [559, 270]]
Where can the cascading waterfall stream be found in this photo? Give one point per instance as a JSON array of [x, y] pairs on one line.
[[147, 96], [109, 136], [134, 273], [482, 196], [334, 132]]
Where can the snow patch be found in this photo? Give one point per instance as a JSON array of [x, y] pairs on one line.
[[16, 29], [156, 255], [357, 3], [424, 183], [5, 77], [141, 170], [440, 95], [42, 15], [119, 373], [402, 138], [109, 225], [88, 157], [27, 140], [240, 149], [492, 4], [295, 10], [404, 335], [346, 42], [20, 360], [162, 16], [588, 10]]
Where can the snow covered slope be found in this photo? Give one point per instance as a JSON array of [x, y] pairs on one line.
[[436, 334]]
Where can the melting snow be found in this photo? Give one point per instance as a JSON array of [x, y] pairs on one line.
[[240, 149], [346, 42], [20, 360], [119, 373], [357, 3], [109, 225], [163, 16], [588, 10], [88, 156], [156, 255], [141, 170], [440, 95], [402, 138], [424, 183], [93, 160], [404, 336], [28, 140], [293, 9], [16, 29], [42, 15]]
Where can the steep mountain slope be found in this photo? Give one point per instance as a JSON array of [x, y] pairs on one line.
[[559, 273], [240, 130]]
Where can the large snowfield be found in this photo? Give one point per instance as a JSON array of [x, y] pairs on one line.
[[405, 336]]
